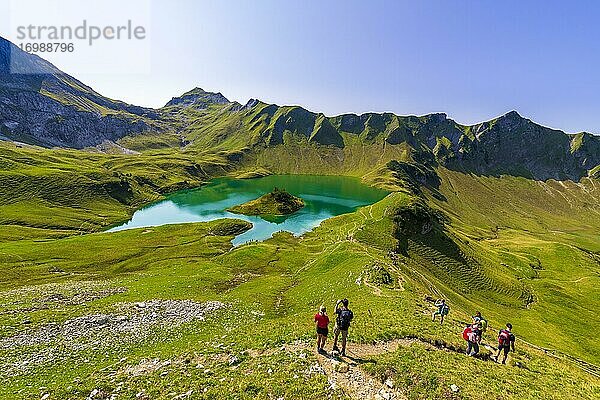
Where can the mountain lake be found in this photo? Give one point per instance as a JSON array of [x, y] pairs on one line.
[[324, 197]]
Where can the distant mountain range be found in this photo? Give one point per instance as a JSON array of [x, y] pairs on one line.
[[50, 108]]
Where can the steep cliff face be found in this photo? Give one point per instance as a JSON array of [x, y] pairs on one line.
[[41, 104]]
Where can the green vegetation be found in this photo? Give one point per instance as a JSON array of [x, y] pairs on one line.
[[525, 246], [251, 174], [519, 250], [58, 192], [276, 203], [271, 289], [476, 215], [427, 374]]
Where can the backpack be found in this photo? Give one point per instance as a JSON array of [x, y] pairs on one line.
[[466, 332], [483, 324], [504, 338], [343, 319], [445, 309]]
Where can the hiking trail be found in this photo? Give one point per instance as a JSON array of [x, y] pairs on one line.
[[345, 372]]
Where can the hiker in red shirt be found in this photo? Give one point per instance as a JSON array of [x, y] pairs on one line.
[[321, 322], [471, 334]]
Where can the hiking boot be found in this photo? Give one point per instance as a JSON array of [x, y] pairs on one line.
[[343, 353]]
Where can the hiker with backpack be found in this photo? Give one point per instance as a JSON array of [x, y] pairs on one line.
[[482, 322], [506, 342], [442, 310], [342, 323], [322, 323], [472, 335]]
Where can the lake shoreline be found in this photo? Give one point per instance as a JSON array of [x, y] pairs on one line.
[[326, 196]]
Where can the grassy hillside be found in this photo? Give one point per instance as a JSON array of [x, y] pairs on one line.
[[269, 292], [133, 312], [531, 249], [56, 192], [507, 145]]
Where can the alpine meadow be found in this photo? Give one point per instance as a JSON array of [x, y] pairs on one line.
[[500, 217]]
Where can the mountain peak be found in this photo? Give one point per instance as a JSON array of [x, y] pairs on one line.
[[251, 103], [512, 115], [198, 98], [437, 117], [509, 121], [196, 90]]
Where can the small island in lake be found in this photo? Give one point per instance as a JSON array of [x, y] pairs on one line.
[[277, 203]]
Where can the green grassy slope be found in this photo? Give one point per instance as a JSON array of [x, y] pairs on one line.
[[63, 192], [68, 191], [531, 249], [272, 288], [516, 249]]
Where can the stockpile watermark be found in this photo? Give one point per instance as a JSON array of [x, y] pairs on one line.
[[92, 36]]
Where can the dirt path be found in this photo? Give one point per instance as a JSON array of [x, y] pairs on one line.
[[345, 372]]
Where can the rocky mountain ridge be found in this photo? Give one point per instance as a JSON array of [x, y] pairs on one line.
[[509, 144], [43, 105]]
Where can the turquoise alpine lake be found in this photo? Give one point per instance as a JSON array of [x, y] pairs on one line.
[[324, 197]]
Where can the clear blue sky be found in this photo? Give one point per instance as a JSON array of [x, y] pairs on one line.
[[471, 59]]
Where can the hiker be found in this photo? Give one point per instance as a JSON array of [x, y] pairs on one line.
[[506, 342], [442, 310], [482, 322], [471, 334], [322, 323], [342, 323]]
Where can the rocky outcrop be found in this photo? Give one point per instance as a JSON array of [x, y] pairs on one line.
[[276, 203]]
